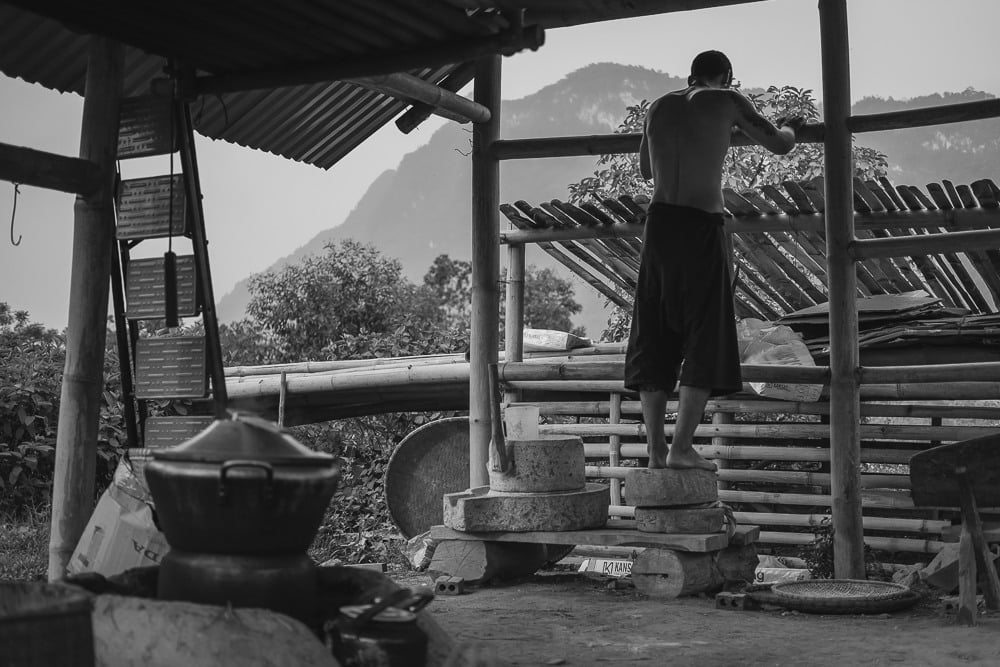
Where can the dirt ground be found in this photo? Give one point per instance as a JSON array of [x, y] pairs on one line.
[[574, 619]]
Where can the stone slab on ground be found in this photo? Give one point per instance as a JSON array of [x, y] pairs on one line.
[[481, 509], [667, 487], [671, 520], [610, 537], [542, 465]]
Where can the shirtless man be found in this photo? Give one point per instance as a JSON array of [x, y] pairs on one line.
[[684, 302]]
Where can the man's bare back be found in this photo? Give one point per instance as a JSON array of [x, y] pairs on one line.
[[686, 137]]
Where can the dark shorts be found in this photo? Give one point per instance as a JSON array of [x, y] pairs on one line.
[[683, 322]]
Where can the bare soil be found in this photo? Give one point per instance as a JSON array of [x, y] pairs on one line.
[[576, 619]]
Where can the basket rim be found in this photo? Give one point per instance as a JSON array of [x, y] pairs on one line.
[[805, 590]]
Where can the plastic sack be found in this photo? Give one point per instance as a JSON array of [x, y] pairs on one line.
[[765, 343], [549, 340]]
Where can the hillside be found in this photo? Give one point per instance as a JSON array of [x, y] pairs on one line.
[[422, 208]]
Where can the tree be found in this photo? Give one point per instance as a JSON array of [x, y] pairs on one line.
[[548, 301], [745, 167]]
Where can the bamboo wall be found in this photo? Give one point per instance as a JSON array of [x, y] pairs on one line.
[[774, 456]]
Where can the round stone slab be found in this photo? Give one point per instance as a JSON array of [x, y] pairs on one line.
[[667, 520], [667, 487], [542, 465], [483, 510]]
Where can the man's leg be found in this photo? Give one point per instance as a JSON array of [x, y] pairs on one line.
[[689, 414], [654, 405]]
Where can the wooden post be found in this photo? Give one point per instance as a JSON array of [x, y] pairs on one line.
[[93, 241], [514, 322], [845, 409], [615, 446], [722, 418], [485, 267]]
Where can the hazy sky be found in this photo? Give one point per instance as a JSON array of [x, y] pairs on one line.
[[259, 207]]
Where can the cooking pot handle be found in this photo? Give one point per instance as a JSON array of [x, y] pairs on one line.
[[244, 463], [380, 604]]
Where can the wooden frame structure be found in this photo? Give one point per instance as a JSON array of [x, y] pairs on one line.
[[844, 249], [250, 57]]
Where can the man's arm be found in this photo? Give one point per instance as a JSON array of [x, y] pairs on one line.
[[760, 129]]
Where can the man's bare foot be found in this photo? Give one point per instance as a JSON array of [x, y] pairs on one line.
[[658, 459], [689, 460]]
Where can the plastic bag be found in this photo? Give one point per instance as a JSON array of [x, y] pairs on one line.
[[765, 343]]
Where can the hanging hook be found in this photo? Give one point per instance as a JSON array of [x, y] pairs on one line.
[[17, 191]]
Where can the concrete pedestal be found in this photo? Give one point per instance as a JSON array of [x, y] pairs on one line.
[[542, 465], [685, 521], [483, 510]]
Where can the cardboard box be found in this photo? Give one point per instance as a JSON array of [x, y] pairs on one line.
[[120, 534]]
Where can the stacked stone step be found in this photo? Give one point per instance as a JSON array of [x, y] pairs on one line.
[[672, 501], [544, 489]]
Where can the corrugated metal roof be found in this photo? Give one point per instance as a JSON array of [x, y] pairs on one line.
[[316, 123], [45, 42]]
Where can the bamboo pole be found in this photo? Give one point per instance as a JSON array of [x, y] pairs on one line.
[[485, 267], [27, 166], [345, 365], [420, 112], [514, 320], [585, 408], [605, 144], [790, 477], [984, 371], [606, 370], [614, 446], [821, 454], [408, 87], [845, 456], [902, 432], [963, 218], [93, 240], [720, 443], [905, 246], [944, 113]]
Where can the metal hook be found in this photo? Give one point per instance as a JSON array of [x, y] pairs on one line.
[[17, 191]]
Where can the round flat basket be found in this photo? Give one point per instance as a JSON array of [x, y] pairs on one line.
[[843, 596], [431, 461]]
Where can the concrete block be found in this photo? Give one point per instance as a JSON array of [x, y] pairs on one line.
[[668, 520], [483, 510], [666, 487], [449, 586], [478, 562], [542, 465]]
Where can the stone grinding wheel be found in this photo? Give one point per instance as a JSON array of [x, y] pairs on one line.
[[428, 463]]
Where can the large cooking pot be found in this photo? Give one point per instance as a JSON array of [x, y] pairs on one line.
[[242, 486]]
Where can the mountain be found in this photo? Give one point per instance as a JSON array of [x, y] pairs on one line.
[[422, 208]]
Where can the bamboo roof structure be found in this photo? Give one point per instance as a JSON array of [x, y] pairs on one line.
[[780, 243]]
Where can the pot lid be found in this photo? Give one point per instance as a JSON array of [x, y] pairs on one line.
[[244, 437]]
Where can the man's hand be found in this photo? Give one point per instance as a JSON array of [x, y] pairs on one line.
[[793, 122]]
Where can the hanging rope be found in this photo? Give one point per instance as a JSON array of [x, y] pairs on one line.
[[13, 213]]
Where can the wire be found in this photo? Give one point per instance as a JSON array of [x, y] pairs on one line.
[[17, 191]]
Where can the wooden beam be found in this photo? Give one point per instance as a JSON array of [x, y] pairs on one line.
[[483, 337], [51, 171], [420, 112], [845, 450], [413, 89], [925, 244], [93, 240], [458, 51], [945, 113], [964, 218], [608, 144]]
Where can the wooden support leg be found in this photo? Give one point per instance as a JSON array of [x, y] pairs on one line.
[[967, 611], [972, 524]]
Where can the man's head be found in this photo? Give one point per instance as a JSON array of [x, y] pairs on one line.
[[710, 65]]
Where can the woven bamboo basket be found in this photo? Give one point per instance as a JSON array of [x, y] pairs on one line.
[[843, 596]]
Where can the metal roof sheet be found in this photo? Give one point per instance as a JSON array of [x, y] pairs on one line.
[[46, 42]]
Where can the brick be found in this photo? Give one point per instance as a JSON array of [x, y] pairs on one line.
[[736, 601], [449, 586]]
